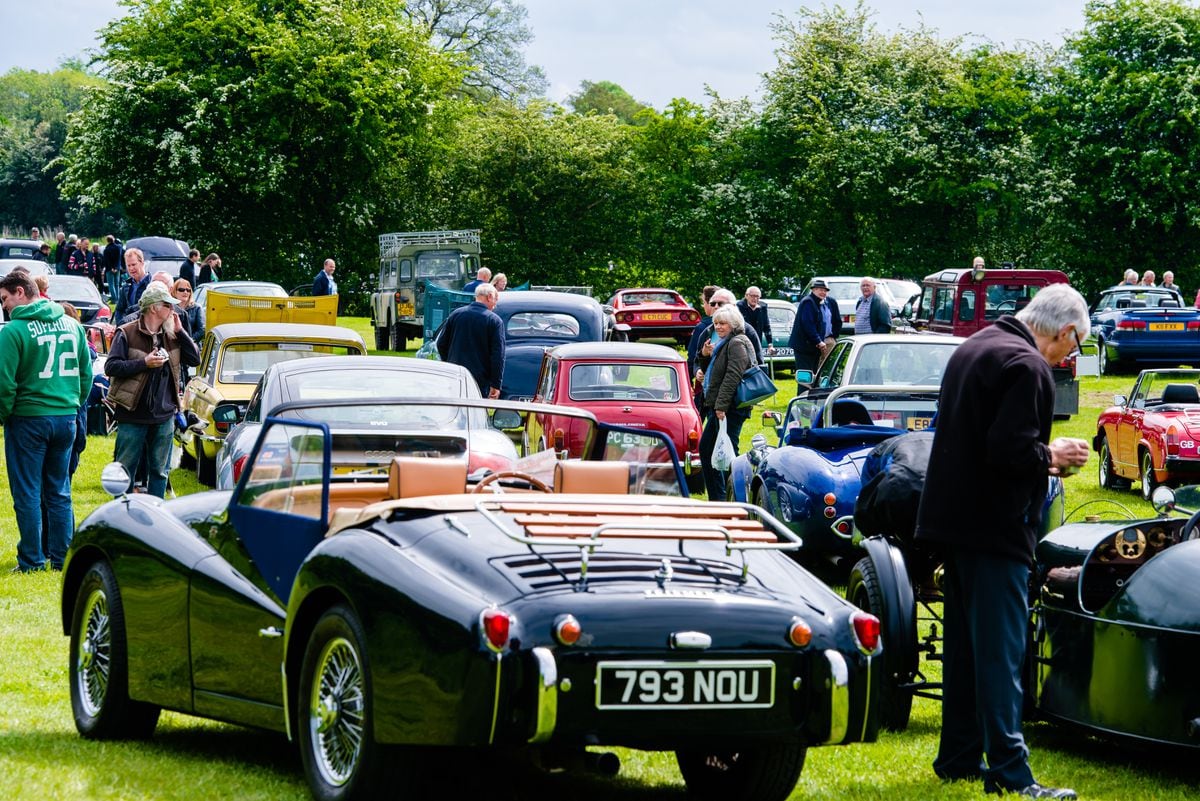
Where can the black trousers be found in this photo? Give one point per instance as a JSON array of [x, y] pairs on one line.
[[986, 620]]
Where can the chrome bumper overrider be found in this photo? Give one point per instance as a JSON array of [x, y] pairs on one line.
[[545, 713], [839, 697]]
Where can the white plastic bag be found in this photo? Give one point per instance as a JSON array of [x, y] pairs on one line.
[[722, 455]]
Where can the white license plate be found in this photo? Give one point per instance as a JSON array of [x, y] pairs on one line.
[[709, 684]]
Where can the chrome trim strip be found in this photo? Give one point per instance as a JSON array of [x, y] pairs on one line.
[[545, 712], [862, 735], [499, 660], [839, 697], [287, 712]]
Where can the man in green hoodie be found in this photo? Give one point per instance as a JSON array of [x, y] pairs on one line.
[[45, 376]]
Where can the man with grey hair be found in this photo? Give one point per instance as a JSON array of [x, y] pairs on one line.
[[981, 509], [754, 313], [871, 313], [473, 336]]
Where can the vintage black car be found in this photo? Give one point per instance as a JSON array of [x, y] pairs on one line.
[[551, 607]]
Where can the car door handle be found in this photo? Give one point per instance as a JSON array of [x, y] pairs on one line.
[[270, 633]]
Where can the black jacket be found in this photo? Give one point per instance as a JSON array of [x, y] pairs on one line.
[[473, 336], [987, 477], [756, 318]]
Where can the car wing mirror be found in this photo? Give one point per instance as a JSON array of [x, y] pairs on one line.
[[226, 414], [774, 418], [114, 479], [804, 377], [506, 419], [1119, 400]]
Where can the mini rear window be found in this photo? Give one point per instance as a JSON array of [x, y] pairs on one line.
[[624, 382]]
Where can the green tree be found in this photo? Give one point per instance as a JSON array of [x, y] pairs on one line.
[[488, 35], [275, 132], [34, 111], [606, 97], [1128, 99]]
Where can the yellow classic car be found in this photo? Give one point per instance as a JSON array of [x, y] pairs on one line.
[[232, 359]]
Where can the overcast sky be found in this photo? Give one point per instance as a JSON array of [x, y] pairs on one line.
[[656, 49]]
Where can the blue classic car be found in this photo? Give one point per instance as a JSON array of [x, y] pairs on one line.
[[1144, 325], [389, 623], [811, 479], [535, 321]]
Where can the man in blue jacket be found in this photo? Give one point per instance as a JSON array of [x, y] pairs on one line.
[[473, 336], [818, 323], [323, 283]]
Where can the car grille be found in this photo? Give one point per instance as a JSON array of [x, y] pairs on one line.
[[545, 570]]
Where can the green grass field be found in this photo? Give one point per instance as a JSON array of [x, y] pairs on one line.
[[42, 757]]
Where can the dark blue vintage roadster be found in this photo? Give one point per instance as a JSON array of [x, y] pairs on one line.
[[561, 604]]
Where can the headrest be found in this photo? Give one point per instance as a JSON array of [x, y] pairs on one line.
[[605, 478], [1180, 393], [844, 413], [417, 477]]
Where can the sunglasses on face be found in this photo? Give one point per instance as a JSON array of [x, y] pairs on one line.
[[716, 304]]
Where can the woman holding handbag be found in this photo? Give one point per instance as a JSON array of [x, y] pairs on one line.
[[724, 360]]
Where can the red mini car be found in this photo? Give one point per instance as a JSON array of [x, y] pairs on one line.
[[636, 385], [654, 313], [1152, 435]]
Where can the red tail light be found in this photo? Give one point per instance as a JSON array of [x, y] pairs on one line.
[[239, 464], [491, 461], [690, 316], [866, 631], [560, 439], [624, 317], [1131, 325], [693, 439], [103, 312], [1172, 441], [495, 625], [1194, 325]]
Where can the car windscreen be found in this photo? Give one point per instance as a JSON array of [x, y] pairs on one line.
[[437, 264], [901, 362], [244, 363], [541, 324], [624, 382], [371, 383], [260, 290]]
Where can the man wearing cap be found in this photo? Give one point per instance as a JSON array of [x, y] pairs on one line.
[[817, 325], [144, 394]]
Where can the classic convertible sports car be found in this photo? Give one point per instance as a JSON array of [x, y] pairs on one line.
[[1145, 325], [232, 360], [533, 322], [352, 377], [1150, 436], [654, 313], [366, 615], [1116, 625], [811, 479], [637, 385]]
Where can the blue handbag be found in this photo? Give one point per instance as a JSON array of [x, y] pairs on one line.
[[756, 387]]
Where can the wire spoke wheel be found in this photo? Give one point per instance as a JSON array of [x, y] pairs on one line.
[[337, 717], [93, 656]]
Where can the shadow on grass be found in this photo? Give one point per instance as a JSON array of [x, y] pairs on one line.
[[1174, 764]]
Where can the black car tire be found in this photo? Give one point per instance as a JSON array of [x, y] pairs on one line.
[[381, 338], [1108, 477], [398, 339], [206, 469], [1147, 474], [99, 665], [765, 773], [895, 703], [341, 760]]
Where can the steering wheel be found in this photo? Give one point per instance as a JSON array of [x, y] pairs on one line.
[[1007, 305], [929, 379], [560, 328], [636, 392], [1190, 528], [492, 478]]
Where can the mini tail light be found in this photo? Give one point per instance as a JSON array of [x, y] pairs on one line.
[[830, 499], [693, 439], [560, 439], [239, 464], [799, 633], [866, 631], [496, 625], [567, 629]]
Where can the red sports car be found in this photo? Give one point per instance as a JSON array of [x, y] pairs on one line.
[[1152, 435], [628, 384], [654, 313]]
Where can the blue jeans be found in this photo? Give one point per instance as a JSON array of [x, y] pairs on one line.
[[38, 451], [155, 440], [714, 480], [114, 286]]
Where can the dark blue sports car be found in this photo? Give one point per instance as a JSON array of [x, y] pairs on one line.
[[535, 321], [811, 479], [1145, 325]]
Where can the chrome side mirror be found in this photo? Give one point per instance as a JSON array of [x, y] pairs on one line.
[[1163, 499]]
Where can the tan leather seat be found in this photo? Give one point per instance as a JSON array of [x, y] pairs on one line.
[[416, 477], [604, 478]]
